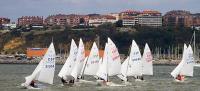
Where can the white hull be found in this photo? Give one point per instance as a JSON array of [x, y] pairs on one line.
[[139, 80], [24, 86], [110, 84], [178, 81], [127, 83], [87, 82]]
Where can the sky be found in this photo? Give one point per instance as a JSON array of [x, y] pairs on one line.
[[14, 9]]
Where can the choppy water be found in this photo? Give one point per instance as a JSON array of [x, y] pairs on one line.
[[11, 76]]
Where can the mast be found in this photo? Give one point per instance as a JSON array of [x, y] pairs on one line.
[[107, 65], [194, 46], [84, 66]]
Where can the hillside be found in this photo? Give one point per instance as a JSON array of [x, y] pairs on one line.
[[15, 41]]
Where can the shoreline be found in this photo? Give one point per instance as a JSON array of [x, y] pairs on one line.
[[62, 61]]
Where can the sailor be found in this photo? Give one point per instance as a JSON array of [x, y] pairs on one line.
[[67, 81], [63, 81], [180, 77], [32, 84], [142, 78], [71, 81]]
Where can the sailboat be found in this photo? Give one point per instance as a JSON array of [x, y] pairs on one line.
[[44, 71], [114, 61], [110, 65], [194, 48], [65, 72], [132, 66], [76, 71], [103, 67], [91, 65], [185, 67], [147, 65]]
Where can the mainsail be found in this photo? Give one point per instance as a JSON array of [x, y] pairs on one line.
[[147, 65], [135, 63], [92, 64], [114, 62], [70, 62], [185, 67], [76, 72], [103, 66], [44, 72]]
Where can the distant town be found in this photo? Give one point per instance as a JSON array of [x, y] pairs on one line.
[[126, 18], [165, 33]]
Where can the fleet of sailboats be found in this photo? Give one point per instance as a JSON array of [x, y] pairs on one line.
[[78, 65]]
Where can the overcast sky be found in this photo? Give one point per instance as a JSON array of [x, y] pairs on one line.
[[17, 8]]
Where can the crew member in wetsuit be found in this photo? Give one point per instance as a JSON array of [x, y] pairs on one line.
[[32, 84], [141, 78], [180, 77], [63, 81]]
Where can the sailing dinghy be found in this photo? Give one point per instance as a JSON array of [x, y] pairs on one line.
[[185, 67], [76, 71], [110, 65], [147, 65], [65, 72], [91, 64], [44, 71], [132, 66]]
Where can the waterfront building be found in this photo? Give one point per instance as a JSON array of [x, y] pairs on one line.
[[196, 19], [129, 21], [35, 52], [150, 18], [30, 20], [101, 19], [129, 13], [116, 15], [178, 18], [53, 20], [66, 20], [4, 20]]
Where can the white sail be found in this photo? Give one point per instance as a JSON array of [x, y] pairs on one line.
[[187, 69], [135, 63], [114, 62], [124, 69], [44, 72], [103, 67], [177, 70], [70, 62], [76, 72], [147, 65], [92, 63]]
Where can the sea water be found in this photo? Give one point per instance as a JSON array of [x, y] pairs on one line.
[[12, 75]]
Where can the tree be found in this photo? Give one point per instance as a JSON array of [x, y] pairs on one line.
[[119, 23]]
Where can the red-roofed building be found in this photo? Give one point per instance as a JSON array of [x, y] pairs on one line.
[[4, 21], [30, 20]]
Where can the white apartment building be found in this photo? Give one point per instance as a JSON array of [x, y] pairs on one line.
[[98, 20], [151, 21]]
